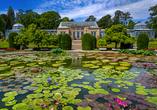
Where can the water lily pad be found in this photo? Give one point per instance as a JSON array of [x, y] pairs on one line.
[[94, 67], [3, 64], [113, 63], [7, 99], [87, 65], [4, 68], [115, 90], [121, 68], [11, 94], [20, 106], [75, 101], [85, 82], [57, 64], [67, 108], [121, 98], [141, 92], [82, 104], [102, 91], [13, 102], [105, 61], [108, 67], [95, 62], [26, 100], [3, 109], [22, 91], [18, 67]]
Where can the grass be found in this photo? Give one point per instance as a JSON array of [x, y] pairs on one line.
[[4, 44]]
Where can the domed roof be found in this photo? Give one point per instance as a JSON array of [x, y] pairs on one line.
[[140, 24], [18, 24]]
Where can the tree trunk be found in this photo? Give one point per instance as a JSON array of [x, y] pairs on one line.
[[38, 46], [115, 44]]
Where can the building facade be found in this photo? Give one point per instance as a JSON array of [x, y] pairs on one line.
[[15, 28], [141, 28], [77, 29]]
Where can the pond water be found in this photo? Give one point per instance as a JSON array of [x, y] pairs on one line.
[[78, 81]]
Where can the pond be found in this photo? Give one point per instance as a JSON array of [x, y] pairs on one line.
[[78, 81]]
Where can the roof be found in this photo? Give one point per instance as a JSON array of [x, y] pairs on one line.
[[91, 24], [18, 24], [48, 30], [140, 24]]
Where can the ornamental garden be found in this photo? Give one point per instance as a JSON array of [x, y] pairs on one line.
[[89, 80]]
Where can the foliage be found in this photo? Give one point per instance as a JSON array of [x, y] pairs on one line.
[[153, 18], [66, 42], [105, 22], [11, 40], [94, 41], [59, 40], [101, 43], [137, 52], [65, 19], [2, 24], [131, 24], [142, 41], [91, 17], [57, 50], [87, 42], [11, 16], [117, 34]]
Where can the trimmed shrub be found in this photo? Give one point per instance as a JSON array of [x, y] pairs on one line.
[[66, 42], [94, 41], [87, 42], [11, 40], [59, 40], [142, 41]]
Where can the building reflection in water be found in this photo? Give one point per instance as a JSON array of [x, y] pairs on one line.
[[76, 62]]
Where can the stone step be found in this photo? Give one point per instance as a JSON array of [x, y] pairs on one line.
[[77, 47], [76, 41]]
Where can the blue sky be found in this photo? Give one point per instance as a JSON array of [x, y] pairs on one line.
[[80, 10]]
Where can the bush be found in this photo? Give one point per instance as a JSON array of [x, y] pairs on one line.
[[94, 41], [58, 50], [142, 41], [66, 42], [59, 40], [11, 41], [87, 42]]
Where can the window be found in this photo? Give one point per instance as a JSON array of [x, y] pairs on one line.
[[81, 33], [82, 28], [64, 32], [95, 34], [61, 33], [78, 28], [73, 34], [73, 29], [92, 33], [77, 34]]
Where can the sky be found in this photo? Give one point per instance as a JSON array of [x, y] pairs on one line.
[[80, 10]]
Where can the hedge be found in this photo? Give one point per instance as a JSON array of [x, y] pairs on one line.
[[11, 41], [142, 41], [87, 42], [59, 40], [66, 42]]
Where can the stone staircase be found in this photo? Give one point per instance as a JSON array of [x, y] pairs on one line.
[[77, 44]]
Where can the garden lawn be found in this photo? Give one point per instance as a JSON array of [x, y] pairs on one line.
[[4, 44]]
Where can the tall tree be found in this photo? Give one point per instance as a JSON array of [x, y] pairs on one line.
[[126, 17], [65, 19], [105, 21], [19, 16], [6, 19], [53, 16], [2, 24], [118, 17], [30, 18], [91, 18], [131, 24], [72, 20], [11, 16], [153, 18]]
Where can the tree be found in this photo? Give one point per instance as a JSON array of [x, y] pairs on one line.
[[118, 17], [11, 16], [65, 19], [72, 20], [7, 20], [31, 17], [53, 16], [2, 24], [118, 34], [46, 23], [126, 17], [153, 18], [19, 16], [91, 18], [131, 24], [105, 22]]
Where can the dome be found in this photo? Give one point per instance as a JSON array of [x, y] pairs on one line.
[[17, 26], [140, 26]]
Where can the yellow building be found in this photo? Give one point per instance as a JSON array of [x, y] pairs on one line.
[[77, 29]]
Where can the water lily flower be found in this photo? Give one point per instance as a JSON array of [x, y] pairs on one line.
[[124, 104], [118, 86], [48, 79], [57, 103], [51, 108], [41, 104], [137, 107], [56, 84], [147, 64], [44, 106], [138, 63], [36, 69], [109, 104]]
